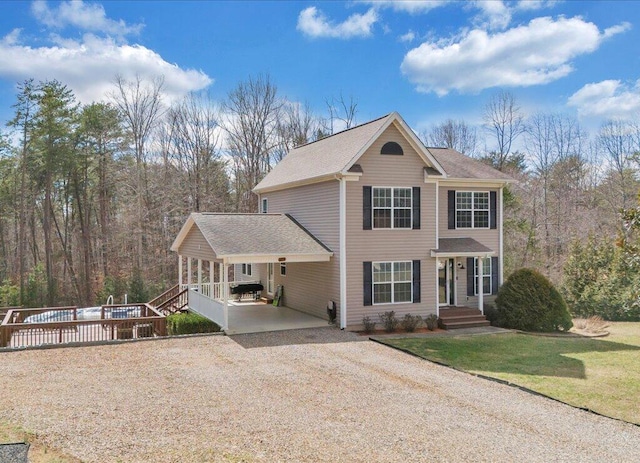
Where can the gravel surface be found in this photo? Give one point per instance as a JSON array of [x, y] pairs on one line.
[[315, 399]]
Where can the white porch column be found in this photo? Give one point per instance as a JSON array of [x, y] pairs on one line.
[[180, 271], [225, 295], [480, 285], [211, 275], [189, 273], [200, 275]]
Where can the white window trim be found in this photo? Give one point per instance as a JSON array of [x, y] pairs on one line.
[[373, 208], [473, 210], [283, 268], [264, 205], [393, 282], [484, 275], [247, 269]]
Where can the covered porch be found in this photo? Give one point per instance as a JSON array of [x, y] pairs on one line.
[[210, 245], [467, 271]]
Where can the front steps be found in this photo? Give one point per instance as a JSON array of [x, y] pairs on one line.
[[461, 317]]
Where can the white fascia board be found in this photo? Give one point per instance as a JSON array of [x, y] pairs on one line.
[[275, 258], [286, 186], [473, 182], [435, 253], [182, 234]]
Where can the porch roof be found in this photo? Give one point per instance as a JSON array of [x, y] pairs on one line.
[[255, 238], [460, 247]]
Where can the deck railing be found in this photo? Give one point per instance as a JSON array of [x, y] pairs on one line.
[[145, 323], [171, 301], [214, 290]]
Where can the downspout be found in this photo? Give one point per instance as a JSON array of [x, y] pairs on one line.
[[436, 247], [343, 251], [501, 258]]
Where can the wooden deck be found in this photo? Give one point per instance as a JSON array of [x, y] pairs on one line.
[[461, 317]]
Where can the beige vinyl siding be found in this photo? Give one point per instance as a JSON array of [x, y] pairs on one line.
[[488, 237], [390, 245], [309, 286], [195, 245]]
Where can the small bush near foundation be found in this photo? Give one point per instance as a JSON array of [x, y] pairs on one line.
[[389, 321], [190, 323], [431, 321], [369, 325], [411, 322]]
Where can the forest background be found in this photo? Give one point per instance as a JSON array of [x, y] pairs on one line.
[[92, 196]]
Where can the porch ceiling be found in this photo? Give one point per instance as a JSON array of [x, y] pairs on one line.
[[255, 238], [460, 247]]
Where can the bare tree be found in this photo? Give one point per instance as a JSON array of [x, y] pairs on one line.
[[252, 113], [297, 126], [140, 104], [616, 144], [342, 114], [454, 134], [504, 121]]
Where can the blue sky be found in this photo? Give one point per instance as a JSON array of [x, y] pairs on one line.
[[428, 60]]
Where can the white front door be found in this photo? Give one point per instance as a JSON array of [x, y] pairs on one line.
[[270, 278]]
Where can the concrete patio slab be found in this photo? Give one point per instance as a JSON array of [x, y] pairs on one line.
[[260, 317]]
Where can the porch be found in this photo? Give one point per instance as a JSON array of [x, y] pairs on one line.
[[259, 317]]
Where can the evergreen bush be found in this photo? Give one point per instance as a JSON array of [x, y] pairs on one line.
[[190, 323], [528, 301]]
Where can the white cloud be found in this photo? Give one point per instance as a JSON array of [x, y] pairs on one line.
[[532, 54], [611, 31], [85, 16], [407, 6], [408, 37], [530, 5], [609, 99], [88, 66], [494, 14], [314, 23]]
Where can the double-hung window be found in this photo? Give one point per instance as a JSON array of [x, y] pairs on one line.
[[392, 282], [487, 284], [392, 207], [472, 209], [246, 269]]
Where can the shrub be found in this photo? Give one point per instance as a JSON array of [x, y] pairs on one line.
[[369, 325], [411, 322], [389, 321], [431, 321], [491, 314], [528, 301], [190, 323]]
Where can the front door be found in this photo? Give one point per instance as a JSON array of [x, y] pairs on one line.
[[270, 279], [446, 282]]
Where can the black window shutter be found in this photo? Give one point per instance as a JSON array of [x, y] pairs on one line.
[[368, 283], [493, 210], [452, 209], [471, 290], [416, 207], [416, 281], [366, 208], [495, 271]]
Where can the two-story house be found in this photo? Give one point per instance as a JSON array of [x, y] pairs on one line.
[[389, 224]]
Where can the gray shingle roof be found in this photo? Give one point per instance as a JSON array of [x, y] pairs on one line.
[[257, 234], [457, 165], [323, 157], [461, 246]]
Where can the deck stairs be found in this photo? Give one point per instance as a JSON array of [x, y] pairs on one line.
[[461, 317]]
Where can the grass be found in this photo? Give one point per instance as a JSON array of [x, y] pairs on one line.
[[38, 451], [600, 374]]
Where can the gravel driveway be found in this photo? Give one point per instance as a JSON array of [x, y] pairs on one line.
[[316, 398]]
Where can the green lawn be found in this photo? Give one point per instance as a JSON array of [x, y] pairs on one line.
[[601, 374]]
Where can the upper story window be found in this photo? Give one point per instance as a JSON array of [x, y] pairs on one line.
[[392, 207], [264, 206], [472, 209], [393, 148]]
